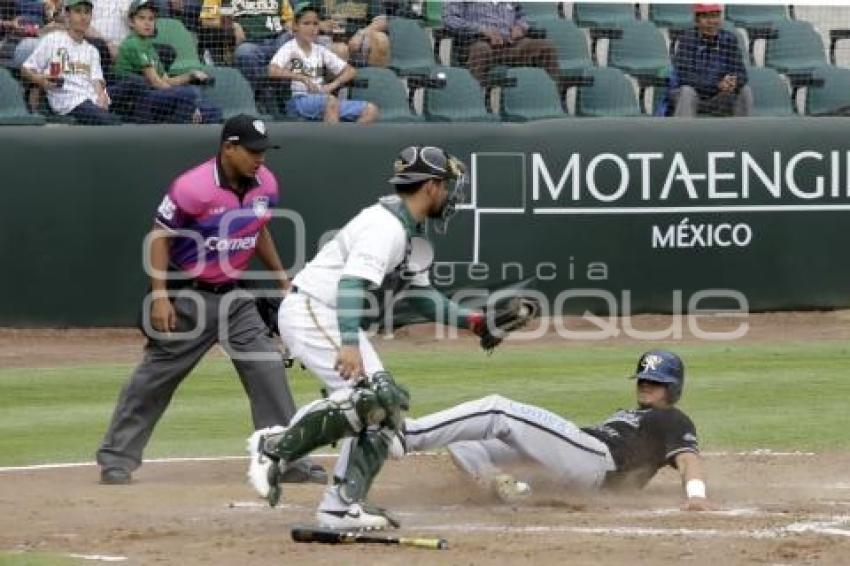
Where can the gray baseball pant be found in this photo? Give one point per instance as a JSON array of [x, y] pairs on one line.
[[166, 362], [487, 433]]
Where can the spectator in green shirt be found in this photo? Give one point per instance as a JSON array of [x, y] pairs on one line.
[[145, 91]]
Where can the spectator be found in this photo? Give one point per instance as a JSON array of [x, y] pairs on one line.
[[369, 45], [109, 24], [67, 66], [27, 21], [156, 97], [304, 62], [257, 29], [710, 77], [499, 30]]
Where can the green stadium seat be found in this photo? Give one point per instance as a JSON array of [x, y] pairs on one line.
[[747, 16], [410, 47], [535, 96], [172, 32], [462, 99], [571, 43], [610, 95], [641, 50], [432, 13], [602, 15], [833, 98], [539, 12], [385, 91], [797, 48], [231, 92], [674, 16], [771, 96], [13, 109]]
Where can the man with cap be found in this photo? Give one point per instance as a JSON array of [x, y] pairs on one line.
[[209, 225], [377, 255], [624, 451], [708, 68]]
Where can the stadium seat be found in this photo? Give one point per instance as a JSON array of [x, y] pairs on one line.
[[172, 32], [797, 48], [535, 96], [13, 110], [231, 92], [385, 91], [539, 12], [747, 16], [610, 95], [641, 51], [432, 13], [770, 93], [462, 99], [673, 16], [833, 98], [571, 43], [410, 47], [602, 15]]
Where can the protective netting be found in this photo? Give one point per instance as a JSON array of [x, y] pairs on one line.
[[193, 61]]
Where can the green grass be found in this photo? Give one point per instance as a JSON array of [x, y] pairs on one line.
[[785, 396], [38, 559]]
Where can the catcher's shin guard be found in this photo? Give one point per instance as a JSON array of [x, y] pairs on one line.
[[321, 422], [367, 457]]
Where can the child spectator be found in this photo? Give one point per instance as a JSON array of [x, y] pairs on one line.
[[66, 66], [146, 91], [304, 62]]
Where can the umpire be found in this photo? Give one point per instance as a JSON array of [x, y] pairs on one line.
[[207, 228]]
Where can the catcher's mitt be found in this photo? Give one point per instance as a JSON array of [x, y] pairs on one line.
[[505, 317]]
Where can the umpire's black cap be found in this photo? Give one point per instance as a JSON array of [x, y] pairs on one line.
[[247, 131]]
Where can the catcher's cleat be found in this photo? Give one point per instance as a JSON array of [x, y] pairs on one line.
[[360, 516], [263, 469], [509, 489]]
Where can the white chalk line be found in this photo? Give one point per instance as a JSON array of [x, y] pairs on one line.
[[99, 557], [61, 465], [828, 528]]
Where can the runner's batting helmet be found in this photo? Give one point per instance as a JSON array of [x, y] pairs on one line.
[[662, 366]]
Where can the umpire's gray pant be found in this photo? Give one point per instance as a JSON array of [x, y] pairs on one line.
[[166, 362]]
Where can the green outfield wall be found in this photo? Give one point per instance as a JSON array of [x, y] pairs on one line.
[[612, 216]]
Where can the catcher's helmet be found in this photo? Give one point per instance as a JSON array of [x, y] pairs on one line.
[[662, 366], [416, 164]]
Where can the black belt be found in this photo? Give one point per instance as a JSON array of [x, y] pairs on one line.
[[216, 288]]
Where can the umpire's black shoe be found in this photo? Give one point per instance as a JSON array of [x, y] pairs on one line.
[[304, 471], [115, 476]]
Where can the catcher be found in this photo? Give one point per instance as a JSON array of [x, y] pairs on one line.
[[381, 250], [624, 451]]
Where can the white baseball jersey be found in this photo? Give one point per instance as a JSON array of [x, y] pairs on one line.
[[310, 63], [370, 246], [80, 69]]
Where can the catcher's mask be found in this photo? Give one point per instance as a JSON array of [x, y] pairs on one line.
[[665, 367], [415, 164]]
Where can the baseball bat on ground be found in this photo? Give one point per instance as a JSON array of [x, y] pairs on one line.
[[334, 536]]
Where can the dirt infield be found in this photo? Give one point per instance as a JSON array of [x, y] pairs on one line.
[[773, 508], [203, 513]]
